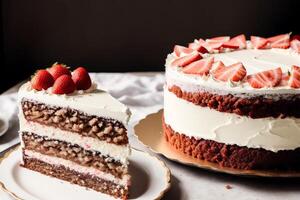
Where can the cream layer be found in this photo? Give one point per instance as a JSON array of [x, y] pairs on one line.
[[272, 134], [118, 152], [76, 167]]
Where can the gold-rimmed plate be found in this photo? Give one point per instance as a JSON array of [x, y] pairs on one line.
[[149, 132], [150, 180]]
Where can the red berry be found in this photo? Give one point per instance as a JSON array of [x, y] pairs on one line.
[[269, 78], [280, 41], [179, 50], [296, 37], [81, 78], [200, 67], [235, 72], [63, 85], [42, 80], [295, 45], [59, 69], [185, 60], [294, 81], [259, 42], [236, 42]]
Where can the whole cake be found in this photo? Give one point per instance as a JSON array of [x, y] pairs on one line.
[[73, 131], [235, 102]]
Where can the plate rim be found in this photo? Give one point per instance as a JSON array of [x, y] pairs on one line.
[[246, 173], [160, 195]]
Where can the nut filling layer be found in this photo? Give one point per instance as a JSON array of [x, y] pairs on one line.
[[74, 153], [85, 180], [104, 129]]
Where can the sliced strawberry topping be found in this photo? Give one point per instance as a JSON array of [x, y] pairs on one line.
[[220, 39], [236, 42], [235, 72], [294, 81], [284, 79], [179, 50], [295, 45], [270, 78], [280, 41], [200, 67], [185, 60], [258, 42], [198, 46], [212, 44], [296, 37]]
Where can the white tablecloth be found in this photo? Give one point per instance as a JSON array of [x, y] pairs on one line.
[[143, 93]]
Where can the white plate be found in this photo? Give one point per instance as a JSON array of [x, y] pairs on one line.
[[3, 125], [150, 180]]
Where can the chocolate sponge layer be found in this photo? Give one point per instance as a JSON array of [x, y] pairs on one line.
[[256, 107]]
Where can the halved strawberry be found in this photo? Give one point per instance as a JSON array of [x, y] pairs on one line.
[[198, 46], [179, 50], [280, 41], [295, 45], [218, 64], [269, 78], [284, 79], [211, 45], [235, 72], [296, 37], [220, 39], [258, 42], [294, 81], [238, 42], [200, 67], [185, 60]]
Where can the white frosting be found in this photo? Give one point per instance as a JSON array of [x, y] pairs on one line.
[[254, 61], [202, 122], [118, 152], [78, 168], [96, 102]]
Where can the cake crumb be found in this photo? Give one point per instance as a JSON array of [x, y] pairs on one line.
[[228, 187]]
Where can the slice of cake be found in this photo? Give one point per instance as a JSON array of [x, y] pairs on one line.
[[235, 103], [72, 131]]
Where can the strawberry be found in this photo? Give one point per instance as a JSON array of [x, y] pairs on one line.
[[58, 69], [284, 79], [218, 64], [185, 60], [296, 37], [212, 45], [42, 80], [63, 85], [269, 78], [81, 78], [294, 81], [295, 45], [200, 67], [236, 42], [258, 42], [235, 72], [179, 50], [280, 41], [220, 39], [198, 46]]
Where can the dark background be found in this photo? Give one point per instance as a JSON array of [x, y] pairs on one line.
[[125, 35]]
